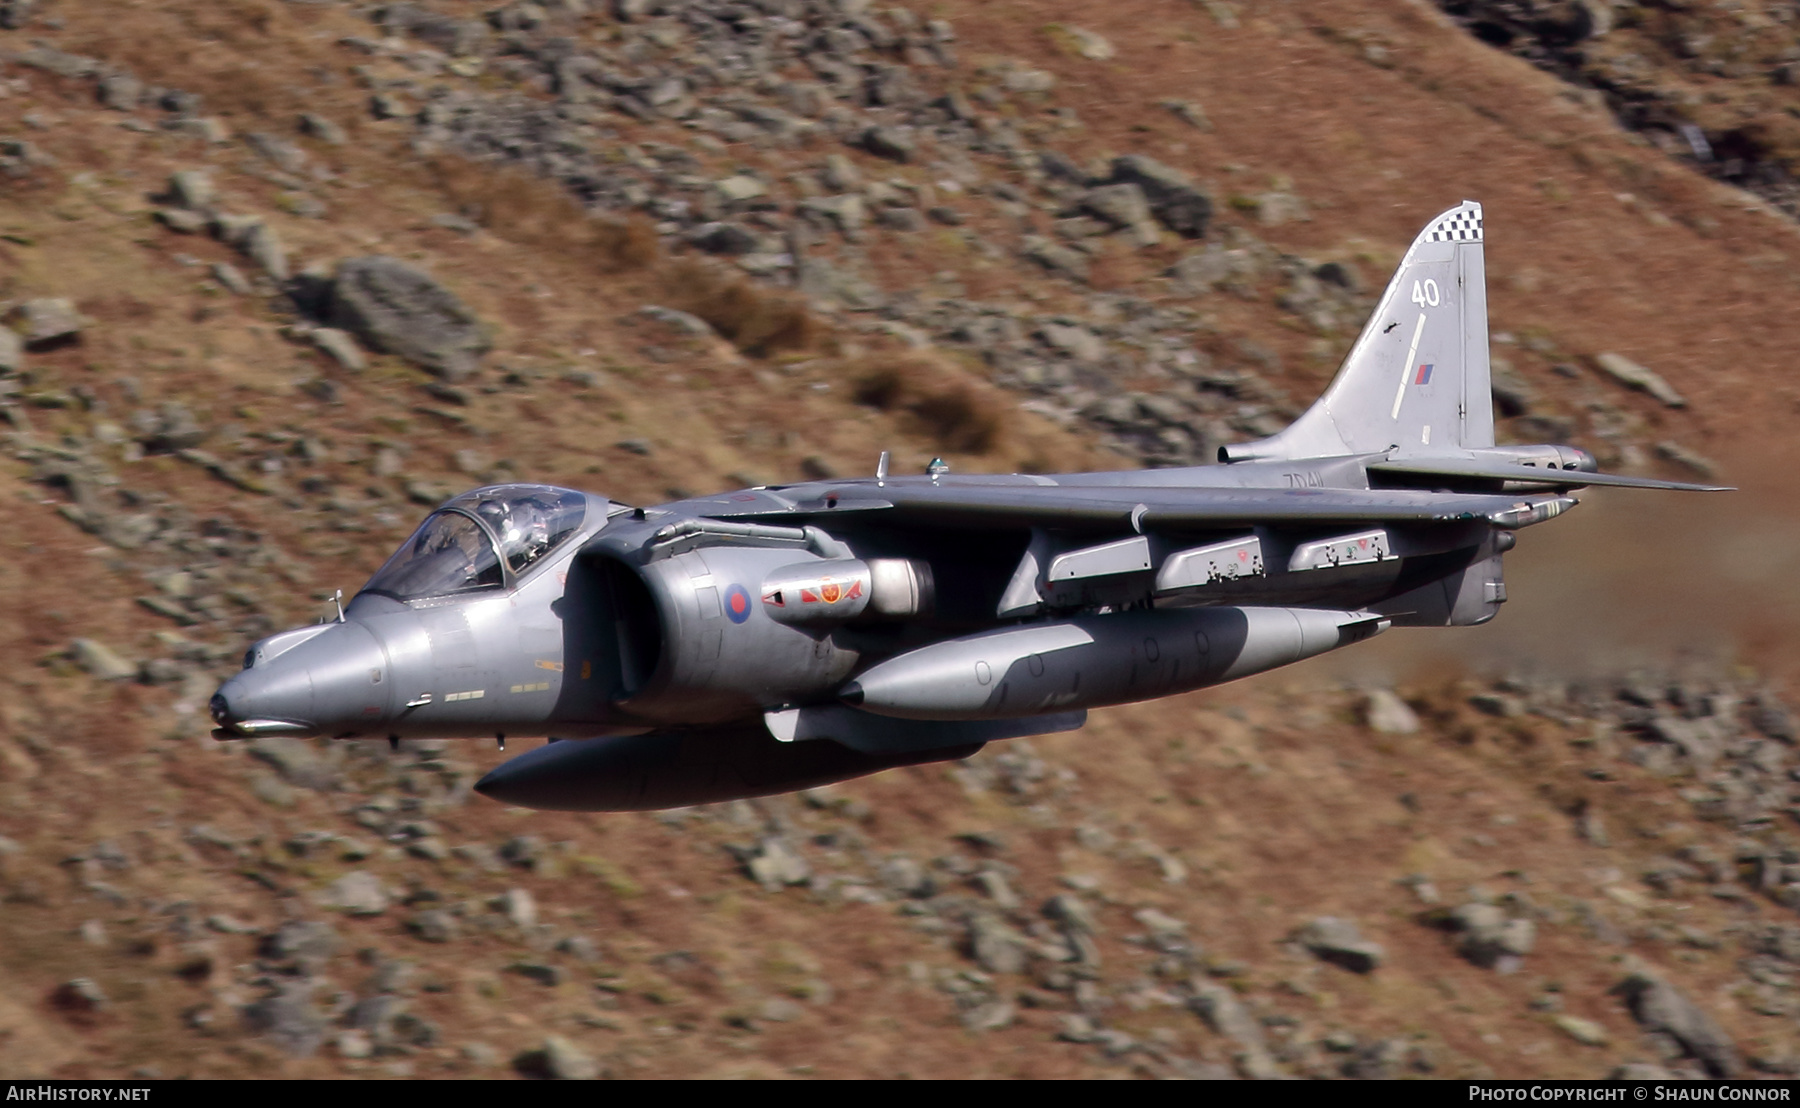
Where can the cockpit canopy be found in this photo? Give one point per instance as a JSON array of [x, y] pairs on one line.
[[481, 540]]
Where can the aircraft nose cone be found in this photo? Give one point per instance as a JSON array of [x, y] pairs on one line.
[[330, 681], [274, 698]]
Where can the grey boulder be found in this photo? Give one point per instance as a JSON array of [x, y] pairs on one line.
[[47, 322], [1173, 199], [396, 309], [288, 1016], [1642, 378], [1660, 1006], [102, 661], [1339, 942]]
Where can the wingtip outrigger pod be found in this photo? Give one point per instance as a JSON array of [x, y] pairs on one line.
[[1531, 511]]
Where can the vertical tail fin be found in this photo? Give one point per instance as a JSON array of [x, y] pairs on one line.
[[1416, 382]]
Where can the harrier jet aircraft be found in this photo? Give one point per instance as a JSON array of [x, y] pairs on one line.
[[782, 637]]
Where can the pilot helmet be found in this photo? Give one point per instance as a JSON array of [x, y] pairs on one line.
[[531, 523], [495, 513]]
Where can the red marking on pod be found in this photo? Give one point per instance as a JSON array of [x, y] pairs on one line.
[[826, 590]]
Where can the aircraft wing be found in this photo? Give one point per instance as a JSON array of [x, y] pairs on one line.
[[1558, 478], [1138, 507]]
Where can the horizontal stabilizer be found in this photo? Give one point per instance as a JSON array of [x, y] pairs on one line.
[[1560, 478]]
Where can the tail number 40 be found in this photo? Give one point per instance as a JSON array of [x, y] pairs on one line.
[[1426, 294]]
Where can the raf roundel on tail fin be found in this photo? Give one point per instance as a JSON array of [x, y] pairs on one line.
[[1416, 381]]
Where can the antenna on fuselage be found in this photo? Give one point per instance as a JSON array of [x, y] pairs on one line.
[[881, 468]]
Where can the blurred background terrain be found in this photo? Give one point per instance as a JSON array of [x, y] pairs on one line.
[[277, 277]]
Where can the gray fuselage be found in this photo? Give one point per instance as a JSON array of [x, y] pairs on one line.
[[643, 619]]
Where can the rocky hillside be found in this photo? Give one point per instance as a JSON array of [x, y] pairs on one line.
[[277, 277], [1714, 85]]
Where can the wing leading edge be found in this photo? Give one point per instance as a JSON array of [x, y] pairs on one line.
[[1138, 507]]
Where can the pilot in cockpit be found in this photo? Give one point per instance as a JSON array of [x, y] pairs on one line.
[[453, 553], [522, 525], [531, 530]]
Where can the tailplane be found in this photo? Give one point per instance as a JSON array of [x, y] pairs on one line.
[[1416, 382]]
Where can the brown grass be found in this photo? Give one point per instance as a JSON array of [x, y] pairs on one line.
[[240, 23], [755, 320], [120, 307], [955, 413], [538, 213], [232, 48]]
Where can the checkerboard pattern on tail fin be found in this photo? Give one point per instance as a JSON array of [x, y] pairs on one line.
[[1416, 382], [1461, 224]]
